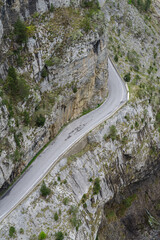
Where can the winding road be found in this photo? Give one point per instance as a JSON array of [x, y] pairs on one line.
[[118, 96]]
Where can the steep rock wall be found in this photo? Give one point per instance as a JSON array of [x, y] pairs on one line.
[[77, 82], [10, 10], [130, 158], [90, 75]]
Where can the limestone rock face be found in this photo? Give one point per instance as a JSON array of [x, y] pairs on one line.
[[10, 10], [76, 82], [117, 164], [88, 73]]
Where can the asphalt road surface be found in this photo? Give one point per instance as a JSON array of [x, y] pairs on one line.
[[118, 95]]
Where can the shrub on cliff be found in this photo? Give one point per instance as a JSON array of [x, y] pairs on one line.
[[40, 120], [158, 117], [20, 31], [16, 85], [113, 133], [56, 216], [142, 5], [59, 236], [44, 190], [93, 4], [42, 236], [116, 58], [96, 187], [127, 77], [12, 231]]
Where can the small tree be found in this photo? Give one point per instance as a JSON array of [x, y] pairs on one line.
[[56, 216], [116, 58], [42, 236], [59, 236], [21, 231], [12, 231], [26, 117], [127, 77], [96, 187], [40, 120], [65, 201], [15, 85], [113, 132], [20, 30], [51, 8], [45, 191]]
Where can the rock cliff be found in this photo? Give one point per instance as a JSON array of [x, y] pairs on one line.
[[120, 160], [66, 72], [106, 186]]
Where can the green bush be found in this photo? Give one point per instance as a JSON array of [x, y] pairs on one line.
[[85, 205], [12, 231], [49, 62], [65, 201], [42, 236], [44, 72], [73, 210], [74, 88], [116, 58], [20, 31], [40, 120], [105, 137], [127, 77], [142, 5], [21, 231], [56, 60], [56, 216], [44, 190], [26, 118], [59, 236], [16, 155], [124, 140], [136, 124], [17, 139], [19, 61], [86, 24], [93, 4], [51, 8], [96, 187], [113, 132], [64, 181], [16, 86], [133, 57], [158, 117], [74, 220]]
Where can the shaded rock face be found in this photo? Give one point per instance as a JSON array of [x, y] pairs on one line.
[[140, 219]]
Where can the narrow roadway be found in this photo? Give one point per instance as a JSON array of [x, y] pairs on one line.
[[68, 137]]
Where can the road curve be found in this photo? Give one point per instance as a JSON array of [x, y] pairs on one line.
[[118, 95]]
